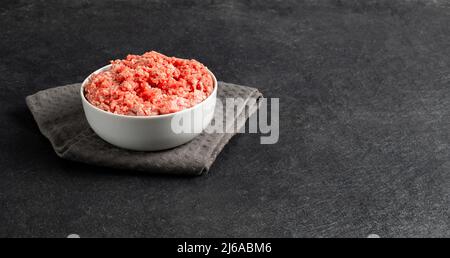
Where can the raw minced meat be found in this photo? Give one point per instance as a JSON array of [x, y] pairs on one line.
[[149, 84]]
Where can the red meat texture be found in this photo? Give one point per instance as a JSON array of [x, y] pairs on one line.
[[150, 84]]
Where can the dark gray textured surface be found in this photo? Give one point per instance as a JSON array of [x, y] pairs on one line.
[[365, 132]]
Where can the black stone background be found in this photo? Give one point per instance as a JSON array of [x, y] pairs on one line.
[[365, 119]]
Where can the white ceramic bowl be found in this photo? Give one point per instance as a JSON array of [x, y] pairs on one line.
[[148, 133]]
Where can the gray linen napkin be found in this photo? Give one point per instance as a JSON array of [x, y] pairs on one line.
[[60, 117]]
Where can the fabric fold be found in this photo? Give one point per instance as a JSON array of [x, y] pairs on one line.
[[59, 115]]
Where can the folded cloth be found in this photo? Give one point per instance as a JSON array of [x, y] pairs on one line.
[[60, 117]]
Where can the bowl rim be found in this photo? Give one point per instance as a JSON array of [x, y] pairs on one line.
[[83, 98]]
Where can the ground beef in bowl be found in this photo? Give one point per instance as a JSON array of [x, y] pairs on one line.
[[149, 84]]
